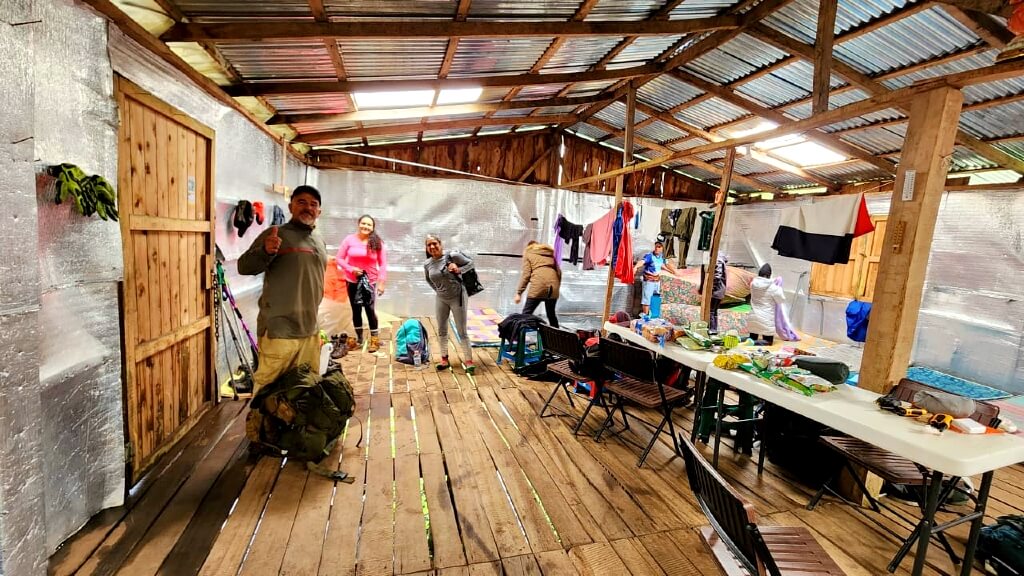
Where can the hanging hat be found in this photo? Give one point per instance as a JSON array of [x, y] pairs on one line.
[[243, 217], [278, 218], [258, 211]]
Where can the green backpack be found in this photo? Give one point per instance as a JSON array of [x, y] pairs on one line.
[[301, 415]]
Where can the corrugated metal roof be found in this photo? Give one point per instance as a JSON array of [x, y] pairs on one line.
[[711, 113], [1015, 149], [279, 60], [687, 144], [393, 57], [772, 91], [746, 165], [589, 88], [852, 172], [642, 51], [624, 9], [660, 132], [307, 127], [910, 40], [579, 54], [515, 112], [666, 92], [311, 103], [972, 94], [1005, 120], [519, 9], [783, 179], [615, 114], [480, 56], [210, 10], [720, 67], [799, 19], [699, 173], [964, 159], [877, 140], [540, 91], [381, 8], [587, 130], [701, 9]]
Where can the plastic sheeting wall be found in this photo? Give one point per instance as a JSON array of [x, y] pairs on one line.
[[491, 221], [21, 468], [972, 310]]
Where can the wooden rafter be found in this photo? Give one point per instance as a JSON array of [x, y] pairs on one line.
[[823, 55], [747, 180], [874, 88], [994, 7], [821, 138], [291, 29], [331, 45], [333, 135], [429, 111], [987, 28], [331, 87], [874, 104]]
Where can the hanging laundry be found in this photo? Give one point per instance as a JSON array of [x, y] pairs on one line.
[[570, 233], [823, 231], [624, 254], [278, 218], [783, 327], [588, 261], [679, 224], [557, 244], [601, 238], [707, 225], [669, 217]]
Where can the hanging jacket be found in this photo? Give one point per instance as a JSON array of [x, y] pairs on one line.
[[783, 327], [540, 272], [569, 233], [588, 261], [857, 315], [707, 224], [624, 263], [764, 296], [718, 285], [601, 238]]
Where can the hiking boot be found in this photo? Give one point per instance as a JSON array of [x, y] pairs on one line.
[[374, 344], [353, 344], [469, 367], [443, 364]]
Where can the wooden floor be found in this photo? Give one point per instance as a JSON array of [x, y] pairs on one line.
[[456, 476]]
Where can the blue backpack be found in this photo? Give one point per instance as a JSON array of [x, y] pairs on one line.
[[412, 338]]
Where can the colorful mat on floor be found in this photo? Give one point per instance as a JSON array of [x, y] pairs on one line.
[[954, 385], [481, 326]]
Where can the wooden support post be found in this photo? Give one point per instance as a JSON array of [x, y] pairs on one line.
[[620, 183], [716, 235], [823, 54], [919, 185]]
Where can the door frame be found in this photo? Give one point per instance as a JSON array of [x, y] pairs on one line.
[[124, 90]]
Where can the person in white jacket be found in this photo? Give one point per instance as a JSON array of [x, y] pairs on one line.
[[764, 296]]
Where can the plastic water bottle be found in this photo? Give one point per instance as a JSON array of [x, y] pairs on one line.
[[325, 357], [417, 360]]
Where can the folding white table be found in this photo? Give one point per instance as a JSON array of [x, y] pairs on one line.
[[853, 411]]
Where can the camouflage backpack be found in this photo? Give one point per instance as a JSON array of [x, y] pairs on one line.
[[301, 415]]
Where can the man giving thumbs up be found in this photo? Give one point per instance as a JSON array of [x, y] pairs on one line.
[[292, 258]]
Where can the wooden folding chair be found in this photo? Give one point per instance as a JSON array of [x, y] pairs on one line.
[[637, 383], [566, 345], [737, 543]]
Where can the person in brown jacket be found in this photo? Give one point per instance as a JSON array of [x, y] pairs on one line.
[[544, 276]]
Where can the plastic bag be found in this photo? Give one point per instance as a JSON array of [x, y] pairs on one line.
[[364, 292]]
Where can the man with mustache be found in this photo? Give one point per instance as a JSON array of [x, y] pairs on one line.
[[292, 258]]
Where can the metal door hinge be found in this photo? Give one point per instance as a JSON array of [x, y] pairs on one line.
[[128, 452]]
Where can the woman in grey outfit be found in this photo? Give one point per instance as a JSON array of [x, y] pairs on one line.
[[442, 273]]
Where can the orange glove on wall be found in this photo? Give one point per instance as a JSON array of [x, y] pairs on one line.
[[1016, 23]]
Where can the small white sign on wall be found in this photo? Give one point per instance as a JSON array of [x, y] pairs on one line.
[[191, 189], [909, 179], [705, 258]]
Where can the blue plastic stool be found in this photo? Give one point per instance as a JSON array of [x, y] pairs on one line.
[[525, 350]]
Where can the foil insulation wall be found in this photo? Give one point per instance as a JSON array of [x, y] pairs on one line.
[[81, 267], [491, 221], [22, 508], [972, 311]]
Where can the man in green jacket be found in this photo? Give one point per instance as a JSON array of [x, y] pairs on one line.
[[292, 259]]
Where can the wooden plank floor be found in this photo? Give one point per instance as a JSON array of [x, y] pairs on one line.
[[457, 475]]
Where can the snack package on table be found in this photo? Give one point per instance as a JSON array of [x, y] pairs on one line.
[[658, 330]]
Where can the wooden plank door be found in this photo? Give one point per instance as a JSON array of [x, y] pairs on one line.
[[165, 200], [855, 279]]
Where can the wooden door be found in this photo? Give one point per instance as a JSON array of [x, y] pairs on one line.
[[165, 199], [855, 279]]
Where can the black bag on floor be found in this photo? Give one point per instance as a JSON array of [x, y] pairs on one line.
[[1001, 545], [792, 443]]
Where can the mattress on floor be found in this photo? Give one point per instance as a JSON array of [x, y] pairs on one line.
[[481, 327]]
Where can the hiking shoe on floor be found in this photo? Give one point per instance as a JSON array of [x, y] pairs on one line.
[[443, 364], [469, 367], [374, 344], [354, 344]]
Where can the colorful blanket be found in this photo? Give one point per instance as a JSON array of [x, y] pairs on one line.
[[481, 327]]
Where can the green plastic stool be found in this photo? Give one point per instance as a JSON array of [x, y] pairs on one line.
[[526, 349]]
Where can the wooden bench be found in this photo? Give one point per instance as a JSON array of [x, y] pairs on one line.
[[737, 543]]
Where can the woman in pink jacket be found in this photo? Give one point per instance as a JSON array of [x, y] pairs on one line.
[[363, 253]]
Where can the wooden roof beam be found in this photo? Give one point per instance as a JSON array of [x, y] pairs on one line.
[[317, 138], [821, 138], [874, 88], [987, 28], [994, 7], [736, 176], [296, 29], [823, 55], [873, 104]]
